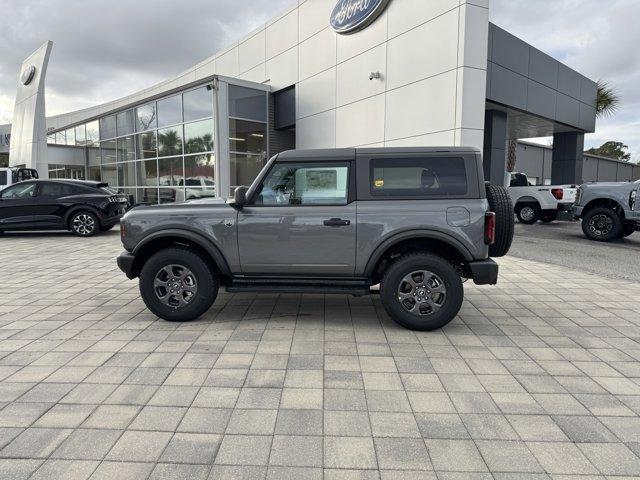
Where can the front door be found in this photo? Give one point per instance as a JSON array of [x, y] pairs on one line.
[[16, 205], [301, 222]]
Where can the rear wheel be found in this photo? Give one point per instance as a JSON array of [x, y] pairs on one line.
[[421, 291], [178, 285], [602, 224], [548, 217], [500, 203], [528, 213], [84, 224]]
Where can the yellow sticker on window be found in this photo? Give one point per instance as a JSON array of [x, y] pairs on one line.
[[378, 183]]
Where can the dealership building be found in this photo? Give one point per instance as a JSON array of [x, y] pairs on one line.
[[324, 73]]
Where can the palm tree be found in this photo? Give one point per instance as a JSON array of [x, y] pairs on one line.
[[607, 101]]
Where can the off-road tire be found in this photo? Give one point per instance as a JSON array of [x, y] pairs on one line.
[[526, 216], [612, 232], [500, 203], [406, 264], [627, 229], [80, 221], [206, 281], [548, 217]]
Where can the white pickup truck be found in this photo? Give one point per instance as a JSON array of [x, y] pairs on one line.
[[11, 175], [543, 202]]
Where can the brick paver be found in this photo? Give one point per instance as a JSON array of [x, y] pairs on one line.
[[538, 378]]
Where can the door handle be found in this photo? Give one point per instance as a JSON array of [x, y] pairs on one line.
[[336, 222]]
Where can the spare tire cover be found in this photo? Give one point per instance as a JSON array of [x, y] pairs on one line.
[[500, 203]]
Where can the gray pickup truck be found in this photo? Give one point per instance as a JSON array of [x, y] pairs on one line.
[[414, 220], [608, 210]]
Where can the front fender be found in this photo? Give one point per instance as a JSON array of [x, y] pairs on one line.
[[191, 236]]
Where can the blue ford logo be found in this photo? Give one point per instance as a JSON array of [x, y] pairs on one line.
[[351, 15]]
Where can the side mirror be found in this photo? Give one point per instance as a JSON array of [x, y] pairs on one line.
[[239, 198]]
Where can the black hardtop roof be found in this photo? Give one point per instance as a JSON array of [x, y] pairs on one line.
[[350, 153]]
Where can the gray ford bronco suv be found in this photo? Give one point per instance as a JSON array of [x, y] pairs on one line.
[[414, 220], [609, 210]]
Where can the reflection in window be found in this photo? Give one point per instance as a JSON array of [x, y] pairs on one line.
[[126, 149], [51, 139], [171, 195], [199, 171], [170, 111], [198, 137], [192, 193], [81, 135], [248, 137], [198, 103], [145, 117], [108, 151], [92, 131], [247, 103], [147, 172], [93, 154], [107, 127], [71, 136], [127, 174], [146, 145], [109, 174], [148, 195], [244, 169], [93, 173], [61, 138], [170, 141], [170, 171], [125, 122]]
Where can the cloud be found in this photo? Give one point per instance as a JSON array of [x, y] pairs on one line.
[[599, 39], [106, 50]]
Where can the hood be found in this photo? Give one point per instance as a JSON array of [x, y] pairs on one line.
[[605, 184]]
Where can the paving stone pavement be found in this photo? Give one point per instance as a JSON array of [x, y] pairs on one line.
[[538, 378]]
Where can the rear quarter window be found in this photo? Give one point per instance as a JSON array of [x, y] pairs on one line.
[[3, 177], [418, 177]]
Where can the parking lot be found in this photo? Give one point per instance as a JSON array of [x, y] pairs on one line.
[[538, 378]]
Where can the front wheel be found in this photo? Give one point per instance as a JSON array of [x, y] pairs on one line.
[[528, 213], [178, 285], [421, 291], [84, 224], [602, 224]]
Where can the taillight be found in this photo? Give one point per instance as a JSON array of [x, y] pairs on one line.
[[558, 193], [489, 228]]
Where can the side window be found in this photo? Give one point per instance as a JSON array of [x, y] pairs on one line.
[[415, 177], [3, 177], [19, 191], [305, 184], [56, 190]]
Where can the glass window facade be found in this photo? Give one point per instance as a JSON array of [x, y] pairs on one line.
[[170, 111], [247, 134], [107, 127], [165, 150], [146, 117]]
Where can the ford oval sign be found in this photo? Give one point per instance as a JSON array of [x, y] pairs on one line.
[[349, 16], [28, 74]]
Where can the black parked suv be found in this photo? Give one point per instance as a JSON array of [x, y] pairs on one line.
[[82, 207]]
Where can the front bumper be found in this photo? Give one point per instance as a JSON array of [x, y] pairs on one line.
[[577, 211], [125, 263], [484, 272]]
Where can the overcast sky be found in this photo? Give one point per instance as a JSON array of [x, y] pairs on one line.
[[105, 50]]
